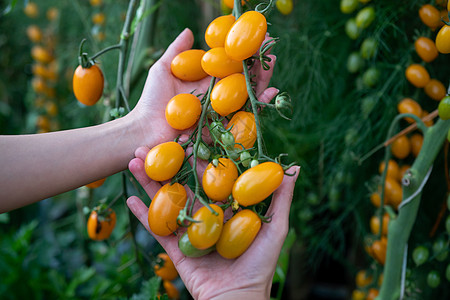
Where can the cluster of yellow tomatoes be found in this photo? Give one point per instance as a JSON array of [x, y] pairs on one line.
[[98, 19], [44, 68], [165, 269], [223, 181]]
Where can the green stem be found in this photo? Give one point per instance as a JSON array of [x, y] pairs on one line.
[[237, 9], [254, 104], [400, 228], [198, 140], [123, 45], [117, 46]]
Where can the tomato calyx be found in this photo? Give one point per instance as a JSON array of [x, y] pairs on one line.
[[283, 103], [83, 59], [265, 10]]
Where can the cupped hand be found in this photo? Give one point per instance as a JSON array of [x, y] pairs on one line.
[[161, 85], [214, 277]]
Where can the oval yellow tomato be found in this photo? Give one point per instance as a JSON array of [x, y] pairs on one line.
[[100, 227], [246, 35], [216, 63], [417, 75], [218, 181], [166, 269], [229, 94], [238, 234], [243, 128], [164, 161], [88, 84], [187, 65], [217, 30], [257, 183], [165, 207], [435, 89], [206, 232], [183, 111], [426, 49]]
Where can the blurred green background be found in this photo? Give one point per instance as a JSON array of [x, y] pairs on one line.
[[339, 116]]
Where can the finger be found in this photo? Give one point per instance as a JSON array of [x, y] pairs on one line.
[[183, 42], [268, 94], [281, 202], [136, 167], [264, 76], [141, 152], [139, 209]]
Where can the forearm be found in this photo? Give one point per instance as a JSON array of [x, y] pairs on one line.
[[35, 167]]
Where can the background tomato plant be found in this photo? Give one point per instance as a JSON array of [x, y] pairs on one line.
[[337, 120]]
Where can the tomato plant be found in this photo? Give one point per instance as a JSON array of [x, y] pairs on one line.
[[218, 180], [88, 84], [164, 161], [238, 233], [165, 207], [101, 223], [217, 30], [218, 64], [229, 94], [183, 111], [257, 183], [246, 35], [187, 65], [206, 230], [165, 267]]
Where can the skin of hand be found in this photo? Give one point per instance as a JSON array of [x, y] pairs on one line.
[[211, 276], [38, 166]]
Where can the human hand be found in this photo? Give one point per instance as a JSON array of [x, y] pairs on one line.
[[161, 86], [214, 277]]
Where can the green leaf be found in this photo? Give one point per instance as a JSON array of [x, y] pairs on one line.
[[140, 15], [149, 289]]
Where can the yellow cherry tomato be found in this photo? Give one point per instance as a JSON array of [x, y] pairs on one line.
[[88, 84], [165, 267], [34, 33], [187, 65], [218, 181], [416, 141], [31, 10], [41, 54], [217, 30], [443, 40], [229, 94], [401, 147], [257, 183], [393, 192], [100, 227], [393, 168], [435, 89], [246, 35], [183, 111], [206, 232], [238, 234], [171, 290], [426, 49], [430, 16], [285, 6], [165, 207], [96, 184], [408, 105], [417, 75], [217, 63], [243, 128], [164, 161], [362, 279], [98, 18]]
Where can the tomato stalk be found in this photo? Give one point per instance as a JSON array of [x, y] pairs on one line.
[[400, 227]]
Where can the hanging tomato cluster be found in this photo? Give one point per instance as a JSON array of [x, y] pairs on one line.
[[238, 174], [101, 223], [98, 18], [44, 68]]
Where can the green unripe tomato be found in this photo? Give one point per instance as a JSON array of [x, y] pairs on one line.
[[351, 29], [440, 250], [348, 6], [365, 17], [227, 139], [433, 279], [420, 255], [216, 129], [368, 48], [371, 77], [444, 108], [354, 62], [203, 151], [245, 158], [254, 163], [190, 251]]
